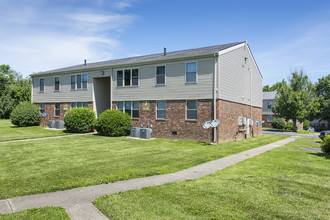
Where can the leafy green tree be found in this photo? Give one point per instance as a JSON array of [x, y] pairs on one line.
[[13, 90], [323, 92], [295, 100], [268, 88]]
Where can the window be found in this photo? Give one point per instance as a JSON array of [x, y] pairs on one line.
[[191, 107], [191, 73], [57, 83], [131, 108], [128, 77], [79, 104], [78, 81], [42, 107], [57, 109], [73, 82], [161, 110], [270, 105], [135, 77], [42, 85], [84, 81], [269, 118], [160, 75], [119, 78]]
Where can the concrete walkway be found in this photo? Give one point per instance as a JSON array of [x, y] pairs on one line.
[[78, 201]]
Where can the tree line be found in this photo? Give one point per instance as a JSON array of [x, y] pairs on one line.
[[300, 99], [14, 88]]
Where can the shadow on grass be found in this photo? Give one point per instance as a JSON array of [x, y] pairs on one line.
[[327, 156]]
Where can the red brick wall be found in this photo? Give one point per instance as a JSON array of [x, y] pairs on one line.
[[228, 113], [267, 124]]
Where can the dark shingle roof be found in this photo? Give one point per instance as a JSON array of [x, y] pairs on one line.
[[158, 56]]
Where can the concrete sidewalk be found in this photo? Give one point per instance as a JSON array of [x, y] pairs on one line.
[[78, 201]]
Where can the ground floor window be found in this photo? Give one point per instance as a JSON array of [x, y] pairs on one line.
[[161, 110], [131, 108], [79, 104], [57, 109], [269, 118], [42, 107], [191, 109]]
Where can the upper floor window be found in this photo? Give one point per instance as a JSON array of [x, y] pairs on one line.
[[160, 75], [128, 77], [270, 105], [79, 81], [191, 109], [161, 110], [57, 109], [191, 72], [42, 107], [131, 108], [57, 83], [42, 85]]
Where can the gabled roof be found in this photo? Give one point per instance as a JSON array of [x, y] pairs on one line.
[[152, 57], [268, 95]]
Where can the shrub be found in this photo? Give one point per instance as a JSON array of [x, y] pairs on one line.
[[306, 124], [79, 120], [113, 123], [325, 146], [278, 123], [289, 125], [25, 114]]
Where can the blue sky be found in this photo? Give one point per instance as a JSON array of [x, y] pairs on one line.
[[284, 36]]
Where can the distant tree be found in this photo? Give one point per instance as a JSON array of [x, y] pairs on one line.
[[268, 88], [13, 90], [323, 92], [295, 100]]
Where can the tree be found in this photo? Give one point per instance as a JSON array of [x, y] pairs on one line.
[[296, 100], [323, 92], [268, 88], [13, 90]]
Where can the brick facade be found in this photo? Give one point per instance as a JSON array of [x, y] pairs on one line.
[[268, 124], [50, 109]]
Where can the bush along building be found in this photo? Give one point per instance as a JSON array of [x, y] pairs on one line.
[[172, 91]]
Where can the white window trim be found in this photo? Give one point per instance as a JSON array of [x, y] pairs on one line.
[[59, 84], [44, 85], [160, 109], [131, 77], [156, 75], [186, 109], [132, 108], [185, 72], [76, 82]]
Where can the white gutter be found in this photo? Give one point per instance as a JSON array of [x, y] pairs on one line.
[[215, 138]]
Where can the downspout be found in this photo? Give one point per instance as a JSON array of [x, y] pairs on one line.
[[215, 138], [251, 101]]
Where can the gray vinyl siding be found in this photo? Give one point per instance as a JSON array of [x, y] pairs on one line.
[[234, 78], [65, 94], [265, 109], [175, 88]]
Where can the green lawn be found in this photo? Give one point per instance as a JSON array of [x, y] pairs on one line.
[[299, 131], [74, 161], [284, 183], [10, 132], [48, 213]]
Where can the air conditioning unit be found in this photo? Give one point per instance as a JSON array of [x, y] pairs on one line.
[[135, 132], [145, 133], [59, 124], [51, 124]]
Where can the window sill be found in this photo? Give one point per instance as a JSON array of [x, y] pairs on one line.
[[56, 90], [135, 118], [191, 83], [127, 87], [161, 119], [78, 89], [191, 120], [41, 92], [160, 85], [57, 116]]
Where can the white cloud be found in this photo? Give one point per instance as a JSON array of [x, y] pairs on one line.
[[39, 37]]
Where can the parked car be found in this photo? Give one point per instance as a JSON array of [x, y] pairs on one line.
[[323, 134]]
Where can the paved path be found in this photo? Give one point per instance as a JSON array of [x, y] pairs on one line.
[[78, 201], [276, 132]]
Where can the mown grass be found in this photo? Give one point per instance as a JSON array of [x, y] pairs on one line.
[[10, 132], [291, 131], [284, 183], [48, 213], [74, 161]]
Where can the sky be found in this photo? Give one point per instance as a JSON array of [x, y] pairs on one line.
[[284, 36]]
